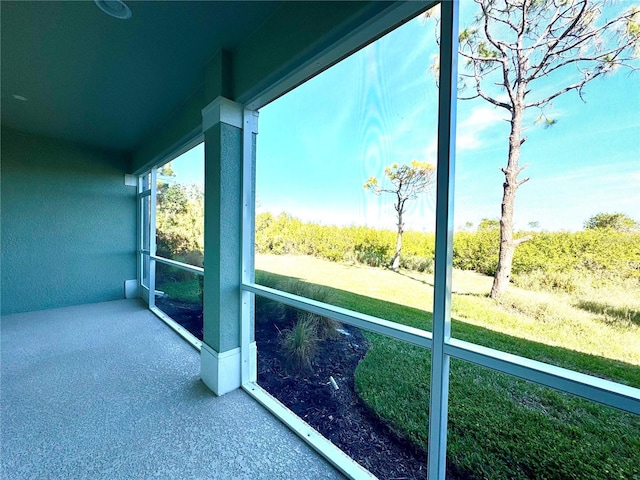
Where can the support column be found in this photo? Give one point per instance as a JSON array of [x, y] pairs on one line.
[[439, 404], [222, 125], [248, 342]]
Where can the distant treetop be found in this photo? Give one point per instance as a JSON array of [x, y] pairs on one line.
[[612, 221]]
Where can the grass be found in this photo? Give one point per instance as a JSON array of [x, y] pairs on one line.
[[187, 291], [551, 323], [499, 427]]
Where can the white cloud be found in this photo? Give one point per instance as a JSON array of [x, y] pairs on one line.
[[470, 132]]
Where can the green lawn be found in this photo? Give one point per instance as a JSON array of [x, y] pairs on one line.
[[188, 291], [499, 427]]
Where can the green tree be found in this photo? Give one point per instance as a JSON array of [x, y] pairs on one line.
[[612, 221], [511, 46], [488, 224], [179, 219], [407, 183]]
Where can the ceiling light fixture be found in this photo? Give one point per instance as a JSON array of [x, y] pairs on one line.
[[115, 8], [20, 97]]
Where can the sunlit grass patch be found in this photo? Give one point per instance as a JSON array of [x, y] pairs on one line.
[[499, 426]]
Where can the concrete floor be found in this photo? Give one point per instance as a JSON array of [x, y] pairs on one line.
[[109, 391]]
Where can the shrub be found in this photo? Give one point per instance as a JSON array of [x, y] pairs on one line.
[[575, 261], [325, 327], [550, 258], [419, 264], [566, 261], [370, 258], [286, 235], [308, 290], [180, 219], [300, 343], [268, 310], [192, 257], [568, 282], [476, 251]]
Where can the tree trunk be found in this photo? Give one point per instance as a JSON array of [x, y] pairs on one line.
[[507, 243], [396, 258]]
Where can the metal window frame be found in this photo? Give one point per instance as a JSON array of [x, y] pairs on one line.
[[149, 255], [151, 300], [142, 194], [446, 151], [182, 266], [145, 255], [442, 346], [599, 390], [412, 335], [248, 373]]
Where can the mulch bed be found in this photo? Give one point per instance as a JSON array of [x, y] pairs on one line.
[[187, 314], [339, 415]]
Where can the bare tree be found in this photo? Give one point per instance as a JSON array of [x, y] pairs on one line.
[[407, 182], [512, 46]]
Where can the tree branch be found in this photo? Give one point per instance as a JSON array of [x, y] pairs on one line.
[[486, 18], [518, 241], [543, 35], [579, 40], [475, 58], [600, 58], [500, 20], [583, 38], [550, 49], [589, 76], [491, 100], [469, 98], [485, 96], [505, 65]]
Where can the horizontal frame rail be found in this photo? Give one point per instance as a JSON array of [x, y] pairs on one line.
[[343, 462], [586, 386], [592, 388], [407, 334], [183, 266], [179, 329]]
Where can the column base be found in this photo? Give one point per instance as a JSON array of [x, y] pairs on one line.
[[220, 371]]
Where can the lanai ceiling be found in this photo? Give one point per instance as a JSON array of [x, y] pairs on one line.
[[97, 80]]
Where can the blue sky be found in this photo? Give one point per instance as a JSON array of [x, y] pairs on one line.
[[319, 143]]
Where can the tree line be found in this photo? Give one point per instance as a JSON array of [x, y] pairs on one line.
[[607, 250]]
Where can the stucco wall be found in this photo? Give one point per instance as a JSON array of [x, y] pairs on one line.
[[68, 224]]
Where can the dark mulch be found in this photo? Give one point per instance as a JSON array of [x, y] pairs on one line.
[[187, 314], [339, 415]]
